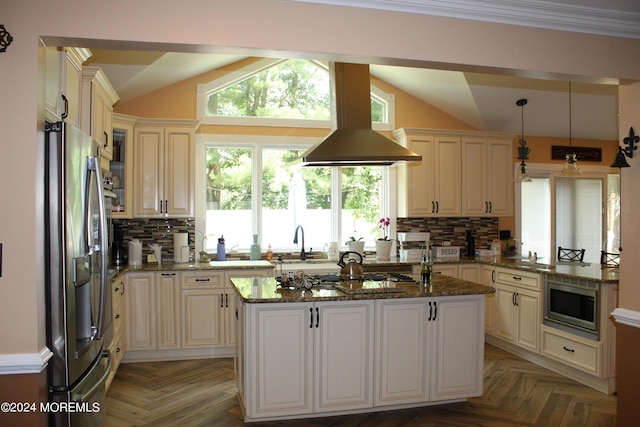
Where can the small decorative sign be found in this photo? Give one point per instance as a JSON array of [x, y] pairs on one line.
[[585, 154], [5, 39]]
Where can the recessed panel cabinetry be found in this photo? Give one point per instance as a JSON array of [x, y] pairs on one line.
[[163, 168], [118, 345], [96, 113], [121, 165], [461, 174], [64, 83], [487, 176]]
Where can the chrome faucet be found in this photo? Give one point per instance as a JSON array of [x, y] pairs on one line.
[[303, 254]]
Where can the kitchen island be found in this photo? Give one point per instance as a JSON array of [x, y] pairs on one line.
[[328, 351]]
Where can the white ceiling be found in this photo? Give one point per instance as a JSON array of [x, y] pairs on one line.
[[486, 102]]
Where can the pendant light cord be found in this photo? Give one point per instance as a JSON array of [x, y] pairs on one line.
[[570, 134]]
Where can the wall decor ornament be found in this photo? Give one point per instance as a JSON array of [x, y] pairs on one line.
[[5, 38]]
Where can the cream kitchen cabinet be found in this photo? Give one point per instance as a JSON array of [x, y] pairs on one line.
[[164, 168], [487, 176], [301, 358], [428, 350], [96, 114], [118, 345], [208, 307], [121, 165], [64, 83], [153, 311], [488, 279], [430, 187], [518, 310]]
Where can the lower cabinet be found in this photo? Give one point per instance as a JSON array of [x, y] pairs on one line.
[[304, 358], [118, 345], [182, 314], [518, 310], [429, 350], [297, 359]]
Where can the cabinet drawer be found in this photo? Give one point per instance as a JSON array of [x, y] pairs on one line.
[[202, 279], [574, 351], [521, 279]]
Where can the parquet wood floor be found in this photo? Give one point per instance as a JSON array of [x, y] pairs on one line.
[[197, 393]]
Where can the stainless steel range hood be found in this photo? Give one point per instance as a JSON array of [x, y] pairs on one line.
[[354, 143]]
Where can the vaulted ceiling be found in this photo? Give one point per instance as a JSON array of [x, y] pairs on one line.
[[484, 101]]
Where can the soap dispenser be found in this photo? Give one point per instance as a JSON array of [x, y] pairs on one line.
[[255, 249]]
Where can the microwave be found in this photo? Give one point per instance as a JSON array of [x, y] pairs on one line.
[[572, 305]]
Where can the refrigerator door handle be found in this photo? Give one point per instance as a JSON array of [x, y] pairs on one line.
[[100, 383], [94, 167]]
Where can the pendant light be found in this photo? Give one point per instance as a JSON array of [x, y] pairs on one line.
[[570, 166], [523, 150]]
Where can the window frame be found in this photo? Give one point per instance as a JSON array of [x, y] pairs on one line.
[[203, 90], [257, 144], [552, 171]]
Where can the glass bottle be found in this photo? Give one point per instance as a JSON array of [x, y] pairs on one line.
[[426, 268]]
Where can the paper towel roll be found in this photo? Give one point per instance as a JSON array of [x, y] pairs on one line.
[[180, 240]]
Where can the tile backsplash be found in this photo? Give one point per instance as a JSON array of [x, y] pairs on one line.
[[154, 230], [453, 229]]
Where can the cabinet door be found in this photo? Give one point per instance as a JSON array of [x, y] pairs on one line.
[[343, 348], [500, 178], [178, 178], [490, 301], [203, 317], [141, 313], [457, 370], [280, 365], [470, 272], [401, 364], [505, 312], [420, 178], [447, 176], [148, 172], [168, 309], [528, 319], [474, 177]]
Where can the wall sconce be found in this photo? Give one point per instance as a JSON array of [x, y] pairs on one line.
[[630, 141]]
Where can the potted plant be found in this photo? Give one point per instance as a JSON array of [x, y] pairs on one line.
[[384, 244], [355, 245]]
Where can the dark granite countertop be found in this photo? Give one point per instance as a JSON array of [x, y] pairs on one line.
[[265, 290]]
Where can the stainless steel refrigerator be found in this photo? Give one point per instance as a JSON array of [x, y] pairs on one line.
[[78, 308]]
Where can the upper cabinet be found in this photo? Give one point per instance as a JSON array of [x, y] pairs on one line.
[[461, 174], [64, 83], [163, 176], [121, 165], [96, 113], [430, 187], [487, 176]]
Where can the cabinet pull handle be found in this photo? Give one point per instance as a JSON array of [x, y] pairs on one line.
[[122, 284], [106, 139], [117, 316], [433, 207], [221, 301], [116, 290], [202, 280], [435, 310], [486, 207], [317, 318], [517, 296], [430, 310], [493, 276], [437, 207], [311, 318], [226, 300], [65, 113], [237, 318], [517, 278], [570, 350], [118, 350], [166, 206], [513, 299], [167, 274]]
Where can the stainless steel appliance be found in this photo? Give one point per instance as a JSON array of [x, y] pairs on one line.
[[571, 304], [78, 303]]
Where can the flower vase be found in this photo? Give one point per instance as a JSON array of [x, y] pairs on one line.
[[356, 246], [383, 249]]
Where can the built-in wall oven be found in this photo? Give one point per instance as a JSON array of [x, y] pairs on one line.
[[571, 304]]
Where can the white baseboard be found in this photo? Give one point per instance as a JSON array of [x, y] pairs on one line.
[[24, 363], [132, 356]]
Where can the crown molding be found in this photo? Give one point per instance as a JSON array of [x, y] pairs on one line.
[[530, 13]]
